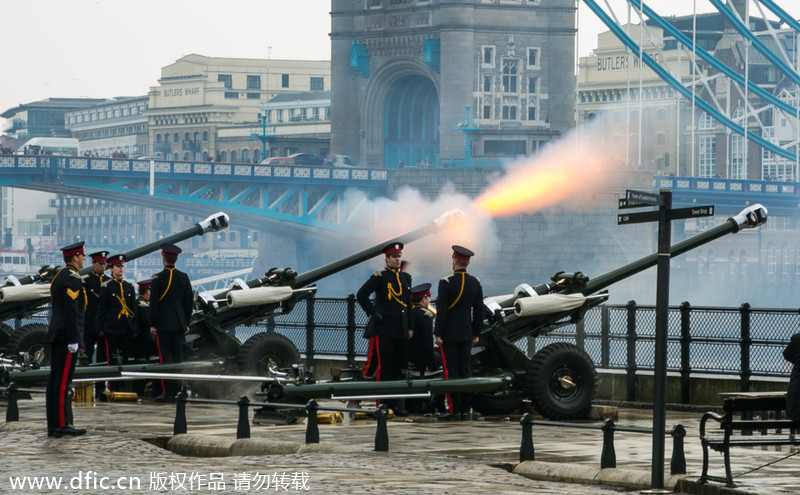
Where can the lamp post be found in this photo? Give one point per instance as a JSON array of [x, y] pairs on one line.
[[248, 246]]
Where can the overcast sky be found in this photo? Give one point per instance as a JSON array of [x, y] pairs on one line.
[[107, 48]]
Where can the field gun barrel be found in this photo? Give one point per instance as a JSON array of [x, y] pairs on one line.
[[24, 296], [213, 223], [447, 219], [751, 217]]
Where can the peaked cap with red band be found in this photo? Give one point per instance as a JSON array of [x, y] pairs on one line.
[[73, 249], [393, 248], [170, 250], [144, 284], [99, 256], [420, 291], [462, 253], [117, 259]]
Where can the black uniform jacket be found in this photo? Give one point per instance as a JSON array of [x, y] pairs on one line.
[[117, 308], [143, 318], [92, 284], [459, 307], [420, 347], [68, 301], [170, 301], [391, 313]]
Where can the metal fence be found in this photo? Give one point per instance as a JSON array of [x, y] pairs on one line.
[[740, 341]]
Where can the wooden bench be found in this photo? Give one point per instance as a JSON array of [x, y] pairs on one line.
[[732, 432]]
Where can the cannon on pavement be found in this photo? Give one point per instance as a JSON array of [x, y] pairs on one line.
[[26, 296], [210, 346], [560, 379]]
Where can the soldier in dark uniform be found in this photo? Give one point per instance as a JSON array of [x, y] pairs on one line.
[[420, 345], [65, 336], [92, 283], [792, 354], [170, 313], [115, 314], [390, 317], [144, 343], [459, 320]]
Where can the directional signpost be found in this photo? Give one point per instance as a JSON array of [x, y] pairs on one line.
[[664, 215]]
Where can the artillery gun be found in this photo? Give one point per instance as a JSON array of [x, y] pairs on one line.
[[560, 379], [26, 296], [212, 348]]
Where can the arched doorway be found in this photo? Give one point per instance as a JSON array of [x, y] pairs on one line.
[[411, 122]]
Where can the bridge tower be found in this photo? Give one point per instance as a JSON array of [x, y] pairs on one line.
[[403, 69]]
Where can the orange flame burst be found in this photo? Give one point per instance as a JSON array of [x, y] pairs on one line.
[[558, 173]]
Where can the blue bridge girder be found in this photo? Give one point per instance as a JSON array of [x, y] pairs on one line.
[[306, 199], [730, 196]]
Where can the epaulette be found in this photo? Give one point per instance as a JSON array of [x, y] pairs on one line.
[[476, 278], [377, 273], [155, 276], [428, 313], [446, 278], [75, 274]]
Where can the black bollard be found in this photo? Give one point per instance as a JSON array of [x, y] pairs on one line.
[[608, 459], [526, 449], [180, 414], [243, 427], [12, 413], [677, 465], [382, 434], [312, 428]]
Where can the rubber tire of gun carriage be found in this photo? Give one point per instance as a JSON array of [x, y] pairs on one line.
[[31, 339], [255, 354], [548, 395]]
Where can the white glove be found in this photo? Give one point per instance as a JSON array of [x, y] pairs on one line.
[[72, 348]]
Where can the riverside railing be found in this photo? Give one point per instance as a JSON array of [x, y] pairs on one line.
[[742, 341]]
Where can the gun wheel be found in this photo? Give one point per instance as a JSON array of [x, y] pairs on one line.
[[265, 350], [5, 333], [562, 382], [30, 339]]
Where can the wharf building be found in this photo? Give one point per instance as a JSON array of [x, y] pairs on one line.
[[208, 108]]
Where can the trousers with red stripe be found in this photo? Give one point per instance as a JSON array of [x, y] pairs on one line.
[[57, 400]]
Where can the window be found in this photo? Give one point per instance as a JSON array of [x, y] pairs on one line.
[[533, 58], [303, 114], [661, 139], [487, 112], [707, 156], [509, 109], [509, 76], [245, 157], [315, 113], [279, 116], [487, 84], [317, 84], [706, 121], [375, 3], [532, 84], [531, 114], [231, 95], [772, 261], [226, 79], [488, 56], [253, 82], [284, 80], [787, 263], [253, 96]]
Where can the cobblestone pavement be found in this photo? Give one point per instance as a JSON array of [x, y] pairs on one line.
[[125, 441]]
